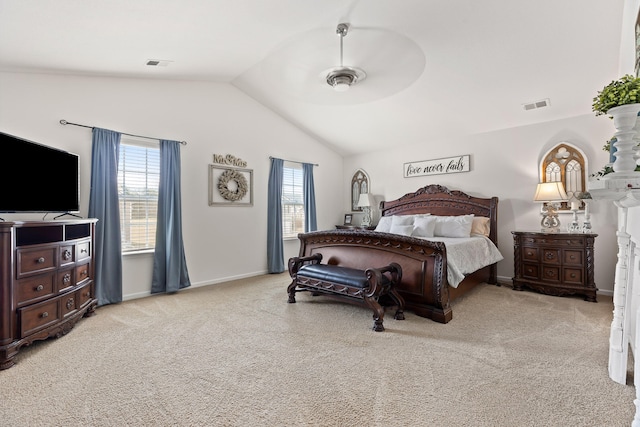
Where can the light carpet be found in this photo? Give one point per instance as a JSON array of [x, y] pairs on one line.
[[237, 354]]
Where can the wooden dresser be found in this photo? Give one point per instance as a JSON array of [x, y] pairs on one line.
[[554, 263], [46, 281]]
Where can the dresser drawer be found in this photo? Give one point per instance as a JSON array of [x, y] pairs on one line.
[[83, 250], [65, 279], [83, 295], [69, 304], [66, 255], [38, 260], [554, 241], [37, 316], [82, 273], [34, 288]]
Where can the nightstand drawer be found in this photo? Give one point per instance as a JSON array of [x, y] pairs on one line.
[[35, 288], [530, 271], [573, 257], [551, 274], [530, 254], [573, 275], [37, 316], [551, 256]]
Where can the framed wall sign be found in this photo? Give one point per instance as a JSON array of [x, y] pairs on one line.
[[230, 186], [438, 166]]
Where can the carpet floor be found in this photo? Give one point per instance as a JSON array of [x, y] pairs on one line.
[[237, 354]]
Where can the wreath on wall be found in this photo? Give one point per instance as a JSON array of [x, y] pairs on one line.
[[232, 176]]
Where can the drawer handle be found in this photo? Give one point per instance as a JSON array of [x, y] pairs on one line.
[[550, 273], [87, 294], [83, 251], [529, 270], [70, 303], [40, 260], [83, 273], [39, 288], [44, 315], [550, 256], [573, 275], [66, 254], [529, 253], [572, 257], [66, 279]]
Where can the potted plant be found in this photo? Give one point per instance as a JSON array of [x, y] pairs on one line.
[[625, 90]]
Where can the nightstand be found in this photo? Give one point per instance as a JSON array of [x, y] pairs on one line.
[[554, 263], [355, 227]]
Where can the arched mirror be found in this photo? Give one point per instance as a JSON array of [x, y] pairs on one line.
[[359, 185], [568, 164]]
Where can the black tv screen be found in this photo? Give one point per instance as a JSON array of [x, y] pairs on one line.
[[37, 178]]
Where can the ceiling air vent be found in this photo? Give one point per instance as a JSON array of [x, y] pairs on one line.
[[158, 62], [537, 104]]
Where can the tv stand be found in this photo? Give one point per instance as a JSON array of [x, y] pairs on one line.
[[46, 281]]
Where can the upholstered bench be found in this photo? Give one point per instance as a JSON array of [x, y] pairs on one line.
[[366, 286]]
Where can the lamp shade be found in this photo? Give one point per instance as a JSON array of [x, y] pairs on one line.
[[364, 201], [550, 192]]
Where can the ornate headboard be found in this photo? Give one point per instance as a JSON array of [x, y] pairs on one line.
[[439, 200]]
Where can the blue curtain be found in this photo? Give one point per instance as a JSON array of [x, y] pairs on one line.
[[103, 205], [169, 262], [275, 248], [310, 223]]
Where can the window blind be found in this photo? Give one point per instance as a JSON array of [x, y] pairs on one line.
[[292, 201]]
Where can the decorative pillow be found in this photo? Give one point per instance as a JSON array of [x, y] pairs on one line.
[[384, 225], [453, 226], [403, 230], [481, 226], [402, 220], [424, 226]]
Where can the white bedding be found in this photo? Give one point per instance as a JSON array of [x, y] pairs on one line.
[[466, 255]]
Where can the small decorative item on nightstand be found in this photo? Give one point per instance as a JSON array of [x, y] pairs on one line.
[[554, 263], [550, 193], [347, 219], [365, 203]]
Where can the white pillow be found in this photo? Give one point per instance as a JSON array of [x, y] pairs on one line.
[[402, 220], [453, 226], [384, 225], [424, 226], [403, 230]]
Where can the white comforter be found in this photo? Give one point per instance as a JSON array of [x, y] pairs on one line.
[[466, 255]]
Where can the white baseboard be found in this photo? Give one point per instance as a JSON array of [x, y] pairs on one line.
[[198, 284]]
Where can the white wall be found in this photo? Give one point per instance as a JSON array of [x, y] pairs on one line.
[[504, 164], [221, 243]]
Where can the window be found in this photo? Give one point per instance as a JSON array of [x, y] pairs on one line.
[[567, 164], [138, 179], [292, 201]]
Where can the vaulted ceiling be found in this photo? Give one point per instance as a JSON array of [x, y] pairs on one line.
[[435, 68]]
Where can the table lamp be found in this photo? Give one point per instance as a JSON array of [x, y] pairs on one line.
[[550, 193], [364, 202]]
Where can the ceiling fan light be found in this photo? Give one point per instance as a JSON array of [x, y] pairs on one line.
[[341, 79]]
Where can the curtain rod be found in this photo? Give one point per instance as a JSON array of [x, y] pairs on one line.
[[292, 161], [64, 122]]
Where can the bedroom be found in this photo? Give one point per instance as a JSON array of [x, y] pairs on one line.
[[218, 117]]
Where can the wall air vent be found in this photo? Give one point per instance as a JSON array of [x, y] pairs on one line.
[[536, 104], [158, 62]]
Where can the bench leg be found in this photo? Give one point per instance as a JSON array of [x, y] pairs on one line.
[[291, 290], [397, 298], [378, 314]]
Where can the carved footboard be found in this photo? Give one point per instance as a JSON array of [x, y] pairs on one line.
[[424, 278]]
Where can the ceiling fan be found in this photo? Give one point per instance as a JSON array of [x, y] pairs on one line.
[[341, 78], [298, 67]]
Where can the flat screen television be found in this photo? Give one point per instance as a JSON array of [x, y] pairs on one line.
[[37, 178]]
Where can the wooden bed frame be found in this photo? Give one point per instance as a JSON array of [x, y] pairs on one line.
[[424, 283]]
